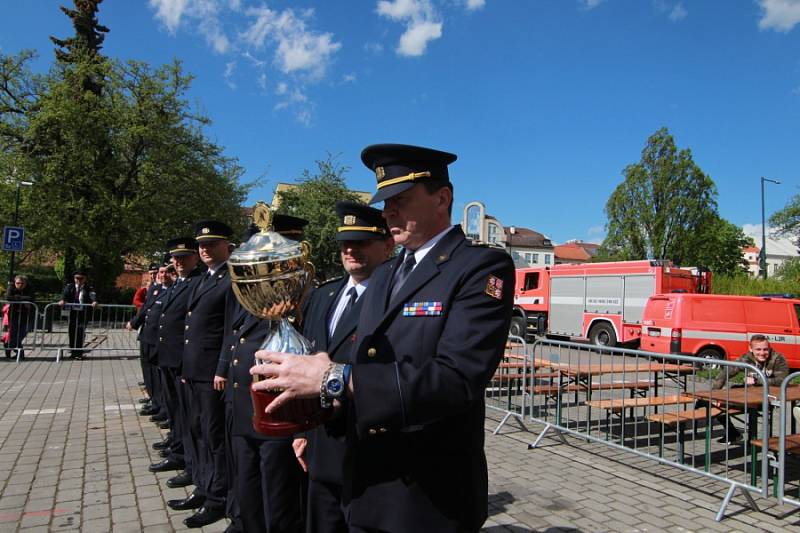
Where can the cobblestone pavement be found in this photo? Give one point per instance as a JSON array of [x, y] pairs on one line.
[[74, 456]]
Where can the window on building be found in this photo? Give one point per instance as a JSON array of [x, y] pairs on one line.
[[534, 259], [493, 232], [546, 259]]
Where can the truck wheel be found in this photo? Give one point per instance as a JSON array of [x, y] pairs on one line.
[[603, 335], [712, 355], [517, 328]]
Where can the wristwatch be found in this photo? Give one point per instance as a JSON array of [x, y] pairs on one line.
[[334, 384]]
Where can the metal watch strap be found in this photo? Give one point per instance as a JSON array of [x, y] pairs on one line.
[[324, 400]]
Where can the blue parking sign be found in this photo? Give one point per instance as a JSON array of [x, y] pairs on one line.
[[13, 238]]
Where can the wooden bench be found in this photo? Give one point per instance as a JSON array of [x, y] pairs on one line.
[[519, 376], [552, 390], [679, 419], [774, 445]]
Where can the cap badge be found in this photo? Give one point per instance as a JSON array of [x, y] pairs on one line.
[[181, 246], [380, 173], [350, 220], [205, 231]]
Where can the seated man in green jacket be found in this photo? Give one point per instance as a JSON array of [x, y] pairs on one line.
[[761, 356]]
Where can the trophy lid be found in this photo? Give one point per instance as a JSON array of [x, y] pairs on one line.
[[267, 245]]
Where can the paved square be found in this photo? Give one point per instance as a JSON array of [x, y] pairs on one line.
[[74, 456]]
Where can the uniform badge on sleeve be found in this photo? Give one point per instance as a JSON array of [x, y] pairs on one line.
[[494, 287]]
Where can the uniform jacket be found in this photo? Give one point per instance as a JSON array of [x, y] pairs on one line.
[[235, 316], [326, 446], [205, 322], [415, 458], [71, 296], [153, 292], [172, 321], [775, 369]]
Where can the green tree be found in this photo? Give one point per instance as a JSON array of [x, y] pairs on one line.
[[718, 247], [314, 199], [787, 220], [120, 162], [665, 201]]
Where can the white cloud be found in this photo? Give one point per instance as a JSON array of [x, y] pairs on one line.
[[591, 4], [204, 12], [262, 81], [779, 15], [678, 12], [282, 88], [298, 50], [375, 48], [230, 68], [422, 24], [474, 5], [257, 62], [348, 78]]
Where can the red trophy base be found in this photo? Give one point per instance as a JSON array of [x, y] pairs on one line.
[[297, 417]]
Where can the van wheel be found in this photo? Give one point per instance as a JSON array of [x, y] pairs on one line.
[[603, 335], [517, 328], [712, 355]]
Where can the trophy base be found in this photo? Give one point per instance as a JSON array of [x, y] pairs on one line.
[[281, 426]]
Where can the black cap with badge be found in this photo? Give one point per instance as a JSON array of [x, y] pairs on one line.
[[182, 246], [153, 267], [398, 167], [359, 222], [212, 230]]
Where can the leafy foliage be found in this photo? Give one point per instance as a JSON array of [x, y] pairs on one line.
[[745, 285], [119, 159], [787, 220], [314, 199], [666, 209]]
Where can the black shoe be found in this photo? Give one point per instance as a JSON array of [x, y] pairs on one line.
[[144, 400], [162, 444], [158, 417], [181, 480], [193, 501], [205, 516], [150, 410], [76, 356], [164, 424], [167, 465], [232, 529], [141, 383]]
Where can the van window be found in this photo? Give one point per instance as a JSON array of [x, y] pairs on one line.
[[797, 311], [767, 313], [708, 310], [531, 281]]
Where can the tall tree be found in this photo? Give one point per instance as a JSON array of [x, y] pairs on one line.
[[665, 200], [718, 246], [120, 164], [314, 199], [787, 220]]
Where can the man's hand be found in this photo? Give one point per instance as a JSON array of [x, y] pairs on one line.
[[94, 304], [219, 383], [296, 376], [299, 446], [61, 303], [750, 380], [129, 326]]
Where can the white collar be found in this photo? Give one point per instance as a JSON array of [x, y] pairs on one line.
[[422, 251]]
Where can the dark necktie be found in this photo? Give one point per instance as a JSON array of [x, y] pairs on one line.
[[352, 296], [403, 272]]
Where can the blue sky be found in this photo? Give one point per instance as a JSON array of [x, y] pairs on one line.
[[544, 101]]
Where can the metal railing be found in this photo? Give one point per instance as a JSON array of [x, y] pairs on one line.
[[82, 328], [506, 390], [660, 407], [20, 326], [787, 458]]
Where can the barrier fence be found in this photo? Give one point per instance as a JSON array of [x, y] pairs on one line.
[[785, 450], [505, 392], [73, 328], [666, 408]]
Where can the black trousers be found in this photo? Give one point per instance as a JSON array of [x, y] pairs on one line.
[[76, 331], [232, 508], [325, 514], [268, 485], [169, 389], [210, 406], [189, 428], [152, 382]]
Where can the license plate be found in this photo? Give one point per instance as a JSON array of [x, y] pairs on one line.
[[654, 333]]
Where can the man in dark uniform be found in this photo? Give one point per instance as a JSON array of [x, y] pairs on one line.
[[203, 336], [152, 270], [171, 323], [147, 344], [432, 331], [329, 321], [78, 296], [266, 480]]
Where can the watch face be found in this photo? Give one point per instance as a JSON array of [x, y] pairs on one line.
[[334, 387]]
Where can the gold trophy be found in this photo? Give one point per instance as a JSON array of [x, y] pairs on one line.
[[270, 276]]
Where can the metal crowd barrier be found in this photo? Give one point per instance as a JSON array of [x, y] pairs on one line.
[[82, 328], [20, 332], [787, 458], [506, 392], [659, 407]]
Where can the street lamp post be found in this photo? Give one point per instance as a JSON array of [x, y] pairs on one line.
[[20, 184], [763, 259]]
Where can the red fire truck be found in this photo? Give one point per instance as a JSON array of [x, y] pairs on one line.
[[602, 302]]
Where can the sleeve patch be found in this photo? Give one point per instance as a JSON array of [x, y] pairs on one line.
[[494, 287]]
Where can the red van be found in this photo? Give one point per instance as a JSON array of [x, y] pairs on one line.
[[720, 326]]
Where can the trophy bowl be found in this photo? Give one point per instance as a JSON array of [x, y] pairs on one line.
[[270, 276]]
